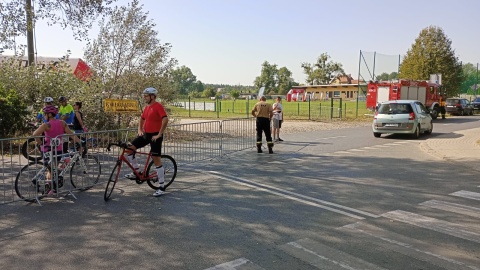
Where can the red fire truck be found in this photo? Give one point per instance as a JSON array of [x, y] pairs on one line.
[[426, 92]]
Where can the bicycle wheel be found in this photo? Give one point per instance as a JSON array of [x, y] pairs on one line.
[[30, 150], [30, 181], [170, 166], [112, 181], [85, 173]]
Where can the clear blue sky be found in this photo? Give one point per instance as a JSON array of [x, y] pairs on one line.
[[224, 41]]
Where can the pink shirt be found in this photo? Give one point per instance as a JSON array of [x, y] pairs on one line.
[[56, 129]]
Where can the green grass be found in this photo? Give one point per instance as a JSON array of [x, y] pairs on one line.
[[314, 110]]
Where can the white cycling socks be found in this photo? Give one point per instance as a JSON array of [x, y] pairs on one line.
[[131, 158], [161, 175]]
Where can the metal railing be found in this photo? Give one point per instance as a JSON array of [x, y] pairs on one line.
[[186, 143]]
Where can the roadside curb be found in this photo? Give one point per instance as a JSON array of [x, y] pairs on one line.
[[460, 146]]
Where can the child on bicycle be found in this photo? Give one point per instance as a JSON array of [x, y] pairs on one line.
[[153, 123]]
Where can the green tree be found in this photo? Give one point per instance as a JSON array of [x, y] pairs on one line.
[[12, 111], [127, 57], [235, 94], [54, 82], [19, 18], [323, 71], [387, 77], [285, 81], [431, 53], [208, 92], [267, 78], [470, 74], [183, 80]]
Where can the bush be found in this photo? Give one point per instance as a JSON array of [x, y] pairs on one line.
[[12, 113]]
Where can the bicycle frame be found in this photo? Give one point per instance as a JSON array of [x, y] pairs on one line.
[[122, 158], [53, 165], [149, 174]]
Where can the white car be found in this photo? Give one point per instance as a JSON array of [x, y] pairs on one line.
[[402, 117]]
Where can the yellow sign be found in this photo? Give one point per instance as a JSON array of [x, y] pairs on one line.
[[120, 105]]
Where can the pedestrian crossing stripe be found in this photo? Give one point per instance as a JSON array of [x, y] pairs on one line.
[[437, 225], [453, 207], [467, 194], [409, 247], [236, 264], [324, 257]]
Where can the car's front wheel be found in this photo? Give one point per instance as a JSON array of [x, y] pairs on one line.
[[377, 135]]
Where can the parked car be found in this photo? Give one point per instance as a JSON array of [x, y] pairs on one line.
[[459, 106], [402, 117], [476, 103]]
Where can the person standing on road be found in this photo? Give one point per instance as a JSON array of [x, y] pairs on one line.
[[264, 113], [442, 106], [153, 123], [277, 119]]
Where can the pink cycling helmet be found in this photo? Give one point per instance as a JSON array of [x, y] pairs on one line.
[[50, 109]]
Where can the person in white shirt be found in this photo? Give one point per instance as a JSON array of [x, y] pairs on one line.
[[277, 120]]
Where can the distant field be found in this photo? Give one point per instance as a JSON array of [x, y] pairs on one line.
[[205, 108]]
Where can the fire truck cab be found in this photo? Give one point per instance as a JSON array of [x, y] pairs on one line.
[[423, 91]]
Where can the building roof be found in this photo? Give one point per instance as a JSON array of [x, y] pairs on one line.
[[75, 65]]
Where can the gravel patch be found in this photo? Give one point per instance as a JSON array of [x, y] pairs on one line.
[[289, 127]]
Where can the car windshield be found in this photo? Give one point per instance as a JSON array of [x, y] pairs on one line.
[[395, 108], [477, 99], [452, 101]]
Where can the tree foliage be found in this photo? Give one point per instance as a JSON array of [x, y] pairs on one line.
[[387, 77], [275, 80], [322, 71], [78, 15], [127, 57], [12, 111], [267, 78], [183, 80], [471, 78], [432, 53], [284, 81]]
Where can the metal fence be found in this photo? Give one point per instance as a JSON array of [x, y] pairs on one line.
[[325, 110], [186, 143]]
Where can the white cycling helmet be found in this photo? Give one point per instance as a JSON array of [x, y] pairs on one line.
[[150, 91], [48, 100]]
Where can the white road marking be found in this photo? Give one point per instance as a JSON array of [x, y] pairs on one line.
[[234, 264], [408, 246], [268, 188], [328, 138], [324, 257], [467, 194], [453, 207], [437, 225], [277, 162], [341, 152]]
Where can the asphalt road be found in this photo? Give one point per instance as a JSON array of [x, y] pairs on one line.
[[337, 199]]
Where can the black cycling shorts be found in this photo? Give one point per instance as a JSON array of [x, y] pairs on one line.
[[155, 146]]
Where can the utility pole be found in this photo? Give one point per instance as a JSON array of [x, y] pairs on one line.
[[30, 45]]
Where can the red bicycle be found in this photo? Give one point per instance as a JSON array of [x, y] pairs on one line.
[[149, 174]]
